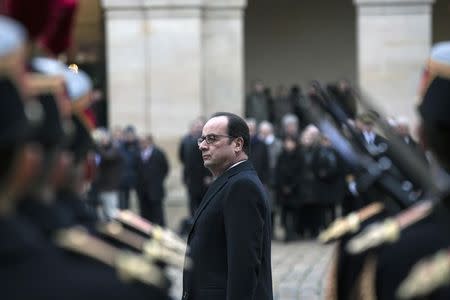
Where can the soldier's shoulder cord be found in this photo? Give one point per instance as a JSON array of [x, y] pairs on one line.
[[129, 266]]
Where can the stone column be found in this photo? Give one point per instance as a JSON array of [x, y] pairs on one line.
[[154, 64], [223, 56], [127, 65], [170, 61], [393, 42]]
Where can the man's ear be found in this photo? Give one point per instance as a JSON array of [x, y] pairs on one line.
[[239, 143]]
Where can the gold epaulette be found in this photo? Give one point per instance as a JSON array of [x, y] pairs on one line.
[[426, 276], [37, 84], [351, 223], [129, 266], [152, 249], [388, 231], [164, 236]]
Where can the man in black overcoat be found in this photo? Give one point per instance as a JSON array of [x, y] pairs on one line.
[[230, 237], [152, 171]]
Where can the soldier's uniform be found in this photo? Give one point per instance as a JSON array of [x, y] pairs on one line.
[[387, 251], [31, 266], [433, 232]]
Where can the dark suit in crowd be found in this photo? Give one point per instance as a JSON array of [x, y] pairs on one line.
[[152, 171], [230, 240], [287, 185], [330, 182], [183, 151], [197, 178], [259, 156], [130, 154]]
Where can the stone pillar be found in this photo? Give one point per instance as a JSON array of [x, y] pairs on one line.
[[223, 56], [154, 64], [127, 66], [170, 61], [393, 42]]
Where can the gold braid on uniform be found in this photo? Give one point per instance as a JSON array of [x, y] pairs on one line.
[[151, 248], [351, 223], [128, 266], [164, 236], [428, 275]]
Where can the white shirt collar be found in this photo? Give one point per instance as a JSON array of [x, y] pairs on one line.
[[238, 163], [146, 153]]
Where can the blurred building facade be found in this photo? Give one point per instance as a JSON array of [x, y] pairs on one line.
[[164, 62]]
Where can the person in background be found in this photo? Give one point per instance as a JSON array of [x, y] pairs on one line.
[[274, 148], [153, 169], [107, 180], [330, 181], [259, 155], [129, 149], [287, 185], [195, 176], [310, 209], [290, 126]]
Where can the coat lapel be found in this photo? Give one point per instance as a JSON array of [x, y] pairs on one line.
[[212, 191], [215, 188]]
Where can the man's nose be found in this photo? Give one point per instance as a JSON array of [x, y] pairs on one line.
[[202, 146]]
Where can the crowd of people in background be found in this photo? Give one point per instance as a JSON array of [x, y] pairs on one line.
[[306, 180], [126, 163]]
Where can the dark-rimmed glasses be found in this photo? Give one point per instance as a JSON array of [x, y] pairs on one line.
[[211, 138]]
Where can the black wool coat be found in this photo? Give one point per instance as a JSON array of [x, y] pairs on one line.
[[230, 240]]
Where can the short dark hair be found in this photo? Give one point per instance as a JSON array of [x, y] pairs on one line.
[[237, 127]]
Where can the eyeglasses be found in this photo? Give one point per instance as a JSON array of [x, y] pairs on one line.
[[211, 138]]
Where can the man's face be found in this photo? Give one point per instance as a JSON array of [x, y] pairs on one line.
[[264, 131], [291, 128], [258, 87], [402, 129], [364, 127], [220, 153]]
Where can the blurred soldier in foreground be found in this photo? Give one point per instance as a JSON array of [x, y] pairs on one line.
[[381, 253], [31, 265], [428, 233]]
